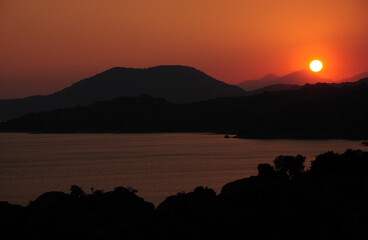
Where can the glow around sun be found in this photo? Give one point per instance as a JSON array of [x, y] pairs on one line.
[[316, 65]]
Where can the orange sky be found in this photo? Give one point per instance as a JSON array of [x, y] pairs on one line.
[[47, 45]]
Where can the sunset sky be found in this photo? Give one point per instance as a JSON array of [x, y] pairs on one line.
[[47, 45]]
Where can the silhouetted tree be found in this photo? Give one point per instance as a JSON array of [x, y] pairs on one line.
[[266, 170], [128, 189], [292, 166], [97, 192], [76, 191], [326, 163], [205, 190], [132, 190], [351, 162]]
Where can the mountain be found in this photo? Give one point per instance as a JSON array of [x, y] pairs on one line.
[[314, 111], [355, 78], [251, 85], [288, 87], [274, 88], [295, 78], [178, 84]]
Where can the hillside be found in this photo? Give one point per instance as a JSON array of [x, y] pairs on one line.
[[274, 88], [250, 85], [179, 84], [355, 78], [295, 78], [313, 111]]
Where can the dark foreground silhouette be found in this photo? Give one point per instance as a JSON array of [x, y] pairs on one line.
[[285, 201]]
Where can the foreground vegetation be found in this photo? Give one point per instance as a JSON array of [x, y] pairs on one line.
[[284, 201]]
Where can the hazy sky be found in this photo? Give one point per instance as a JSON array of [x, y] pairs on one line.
[[47, 45]]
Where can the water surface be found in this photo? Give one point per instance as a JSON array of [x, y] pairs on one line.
[[157, 165]]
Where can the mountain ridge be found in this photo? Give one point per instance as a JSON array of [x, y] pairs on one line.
[[354, 78], [300, 77], [319, 111], [175, 83]]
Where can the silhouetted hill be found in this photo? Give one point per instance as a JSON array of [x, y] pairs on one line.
[[284, 201], [313, 111], [274, 88], [355, 78], [177, 84], [250, 85], [57, 215], [352, 84], [295, 78]]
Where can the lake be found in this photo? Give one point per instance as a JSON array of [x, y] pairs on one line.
[[157, 165]]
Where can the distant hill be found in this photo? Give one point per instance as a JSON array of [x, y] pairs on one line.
[[251, 85], [313, 111], [274, 88], [355, 78], [296, 78], [178, 84], [288, 87]]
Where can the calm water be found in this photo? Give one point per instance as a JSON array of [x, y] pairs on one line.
[[157, 165]]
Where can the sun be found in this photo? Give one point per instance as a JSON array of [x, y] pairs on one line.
[[316, 65]]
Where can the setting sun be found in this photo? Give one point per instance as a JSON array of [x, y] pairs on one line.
[[316, 65]]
